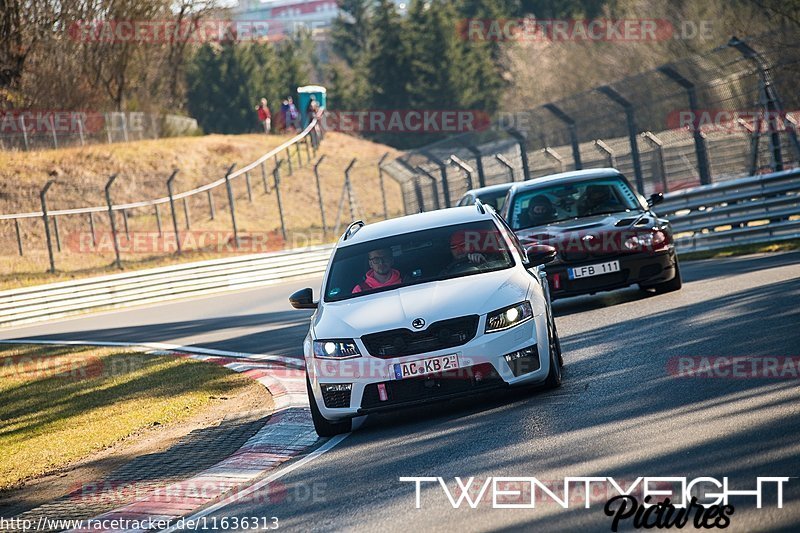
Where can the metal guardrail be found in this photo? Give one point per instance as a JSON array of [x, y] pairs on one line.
[[56, 300], [751, 210]]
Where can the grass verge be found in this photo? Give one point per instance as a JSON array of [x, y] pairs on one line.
[[62, 404], [784, 246]]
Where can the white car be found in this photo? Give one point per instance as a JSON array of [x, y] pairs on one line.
[[423, 308]]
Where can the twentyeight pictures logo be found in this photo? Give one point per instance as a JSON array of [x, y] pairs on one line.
[[647, 502]]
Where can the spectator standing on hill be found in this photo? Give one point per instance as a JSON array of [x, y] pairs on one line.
[[312, 109], [264, 116], [284, 115], [293, 115]]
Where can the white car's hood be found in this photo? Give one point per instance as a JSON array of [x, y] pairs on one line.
[[470, 295]]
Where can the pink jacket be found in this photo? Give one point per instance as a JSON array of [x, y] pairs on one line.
[[371, 282]]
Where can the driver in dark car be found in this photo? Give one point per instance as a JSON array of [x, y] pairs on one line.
[[598, 199], [380, 273], [540, 211]]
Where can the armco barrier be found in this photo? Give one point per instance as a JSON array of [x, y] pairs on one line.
[[55, 300], [751, 210]]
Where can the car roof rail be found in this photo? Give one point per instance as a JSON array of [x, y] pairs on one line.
[[479, 205], [352, 229]]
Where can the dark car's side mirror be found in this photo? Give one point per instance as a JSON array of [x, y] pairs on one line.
[[303, 299], [539, 254], [655, 198]]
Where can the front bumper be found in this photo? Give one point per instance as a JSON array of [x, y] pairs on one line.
[[646, 269], [482, 367]]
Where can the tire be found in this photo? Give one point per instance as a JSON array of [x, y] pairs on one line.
[[323, 426], [554, 376], [674, 284]]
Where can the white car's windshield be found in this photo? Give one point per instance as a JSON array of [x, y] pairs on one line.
[[419, 257], [571, 200]]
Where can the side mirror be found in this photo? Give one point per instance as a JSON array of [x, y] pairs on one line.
[[303, 299], [540, 254], [655, 198]]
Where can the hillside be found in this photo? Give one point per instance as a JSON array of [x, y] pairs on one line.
[[143, 168]]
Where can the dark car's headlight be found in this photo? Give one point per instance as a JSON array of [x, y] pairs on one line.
[[336, 349], [508, 317]]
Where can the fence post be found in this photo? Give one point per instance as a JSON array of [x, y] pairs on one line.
[[552, 154], [289, 159], [443, 171], [630, 118], [299, 158], [232, 206], [308, 149], [19, 235], [606, 150], [211, 209], [125, 126], [478, 163], [186, 212], [58, 234], [249, 188], [454, 159], [24, 132], [42, 197], [108, 127], [523, 151], [276, 176], [349, 188], [125, 223], [383, 186], [506, 163], [53, 129], [773, 105], [113, 222], [657, 145], [700, 149], [319, 197], [91, 229], [172, 209], [264, 177], [158, 220], [573, 133], [420, 197], [80, 129], [433, 184]]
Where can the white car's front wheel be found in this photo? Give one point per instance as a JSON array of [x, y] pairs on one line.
[[323, 426], [553, 380]]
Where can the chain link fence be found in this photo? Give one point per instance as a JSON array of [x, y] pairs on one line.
[[49, 129], [729, 113]]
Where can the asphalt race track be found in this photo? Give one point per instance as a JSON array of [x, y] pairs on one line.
[[620, 412]]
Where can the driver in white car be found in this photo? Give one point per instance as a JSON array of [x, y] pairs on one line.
[[380, 273]]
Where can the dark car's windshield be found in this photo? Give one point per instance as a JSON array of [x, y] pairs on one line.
[[494, 199], [419, 257], [571, 200]]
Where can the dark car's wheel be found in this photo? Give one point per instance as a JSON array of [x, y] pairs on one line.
[[323, 426], [674, 284], [553, 380]]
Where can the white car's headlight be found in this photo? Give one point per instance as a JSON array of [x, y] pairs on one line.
[[336, 349], [508, 317]]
